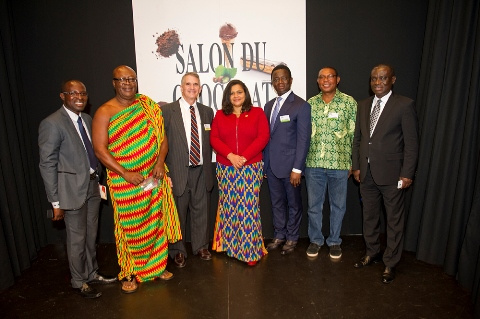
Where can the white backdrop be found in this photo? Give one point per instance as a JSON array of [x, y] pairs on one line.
[[272, 30]]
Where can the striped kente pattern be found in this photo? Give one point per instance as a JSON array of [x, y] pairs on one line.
[[142, 219], [238, 229]]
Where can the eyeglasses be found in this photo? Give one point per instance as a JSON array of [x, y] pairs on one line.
[[126, 80], [326, 77], [75, 93]]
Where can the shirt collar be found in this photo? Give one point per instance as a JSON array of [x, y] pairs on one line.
[[72, 115], [184, 103], [285, 95], [383, 98]]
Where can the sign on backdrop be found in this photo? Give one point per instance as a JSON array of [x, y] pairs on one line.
[[221, 41]]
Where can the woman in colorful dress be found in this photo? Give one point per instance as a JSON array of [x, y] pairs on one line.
[[239, 134]]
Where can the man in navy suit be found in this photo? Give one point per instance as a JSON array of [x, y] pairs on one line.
[[284, 157], [69, 170], [384, 159]]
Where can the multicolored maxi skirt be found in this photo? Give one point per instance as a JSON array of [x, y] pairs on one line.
[[238, 229], [145, 221]]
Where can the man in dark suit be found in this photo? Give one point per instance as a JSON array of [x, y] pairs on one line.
[[190, 165], [69, 170], [384, 159], [284, 157]]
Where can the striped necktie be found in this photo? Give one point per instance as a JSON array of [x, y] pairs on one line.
[[194, 140], [275, 113]]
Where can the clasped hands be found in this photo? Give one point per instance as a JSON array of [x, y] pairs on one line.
[[236, 160]]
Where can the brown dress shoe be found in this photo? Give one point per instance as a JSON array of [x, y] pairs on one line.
[[275, 244], [204, 254], [179, 260], [367, 261], [289, 247]]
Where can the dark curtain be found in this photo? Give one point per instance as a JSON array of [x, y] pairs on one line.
[[21, 229], [444, 219]]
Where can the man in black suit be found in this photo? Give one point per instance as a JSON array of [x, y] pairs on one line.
[[384, 159], [192, 181], [69, 171]]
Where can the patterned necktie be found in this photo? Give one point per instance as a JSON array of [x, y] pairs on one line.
[[374, 116], [194, 140], [275, 113], [88, 145]]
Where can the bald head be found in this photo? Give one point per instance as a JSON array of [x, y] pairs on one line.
[[67, 84], [121, 69], [385, 66]]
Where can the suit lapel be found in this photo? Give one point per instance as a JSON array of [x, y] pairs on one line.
[[201, 127], [387, 111], [178, 121], [70, 126]]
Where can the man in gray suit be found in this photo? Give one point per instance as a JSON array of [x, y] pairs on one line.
[[69, 171], [189, 159]]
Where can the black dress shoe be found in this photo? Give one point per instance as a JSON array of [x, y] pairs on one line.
[[275, 244], [88, 292], [179, 260], [100, 279], [204, 254], [367, 261], [289, 247], [388, 275]]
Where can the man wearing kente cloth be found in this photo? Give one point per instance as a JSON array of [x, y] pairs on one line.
[[129, 139]]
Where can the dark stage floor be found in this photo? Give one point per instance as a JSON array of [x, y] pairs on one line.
[[292, 286]]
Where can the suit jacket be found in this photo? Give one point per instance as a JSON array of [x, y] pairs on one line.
[[177, 158], [393, 146], [289, 139], [64, 163]]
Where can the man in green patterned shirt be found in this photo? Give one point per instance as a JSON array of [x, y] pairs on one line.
[[329, 160]]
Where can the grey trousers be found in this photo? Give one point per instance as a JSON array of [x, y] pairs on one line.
[[194, 202], [81, 226]]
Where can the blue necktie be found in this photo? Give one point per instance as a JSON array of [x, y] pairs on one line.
[[275, 113], [88, 145]]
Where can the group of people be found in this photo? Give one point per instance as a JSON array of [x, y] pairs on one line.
[[160, 171]]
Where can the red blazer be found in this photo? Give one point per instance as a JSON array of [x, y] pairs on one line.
[[246, 135]]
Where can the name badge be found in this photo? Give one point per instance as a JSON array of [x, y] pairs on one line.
[[207, 127], [333, 115], [103, 191], [285, 118]]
